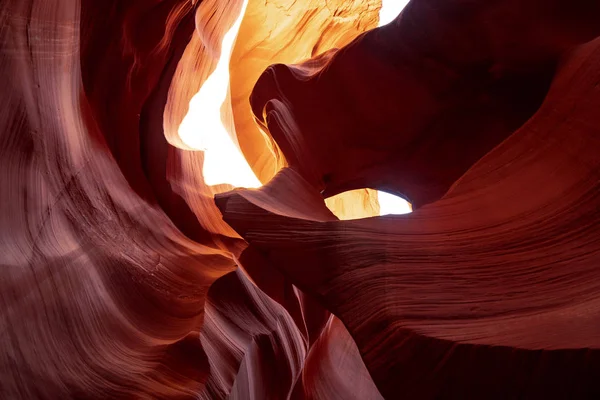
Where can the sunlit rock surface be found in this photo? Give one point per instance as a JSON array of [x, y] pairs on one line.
[[122, 277]]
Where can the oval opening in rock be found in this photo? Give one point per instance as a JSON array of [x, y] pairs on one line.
[[364, 203]]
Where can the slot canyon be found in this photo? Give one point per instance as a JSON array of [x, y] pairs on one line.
[[299, 199]]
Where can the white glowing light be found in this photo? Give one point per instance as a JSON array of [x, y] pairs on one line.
[[390, 10], [202, 128], [390, 204]]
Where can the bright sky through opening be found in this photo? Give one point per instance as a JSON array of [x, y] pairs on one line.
[[390, 204], [202, 128], [390, 10]]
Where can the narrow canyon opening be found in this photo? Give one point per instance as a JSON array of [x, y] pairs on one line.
[[203, 129]]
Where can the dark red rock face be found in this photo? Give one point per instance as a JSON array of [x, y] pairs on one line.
[[123, 276]]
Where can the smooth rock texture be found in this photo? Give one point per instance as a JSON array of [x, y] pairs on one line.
[[439, 87], [124, 275], [110, 240], [492, 291], [102, 294], [286, 31]]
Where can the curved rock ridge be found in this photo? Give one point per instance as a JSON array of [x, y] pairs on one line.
[[102, 294], [407, 108], [491, 290], [286, 31]]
